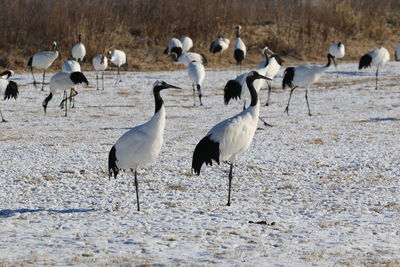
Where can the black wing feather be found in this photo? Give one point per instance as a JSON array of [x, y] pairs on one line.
[[288, 78], [232, 90], [112, 163], [205, 151], [11, 90], [365, 62]]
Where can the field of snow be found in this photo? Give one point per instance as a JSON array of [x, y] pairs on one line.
[[325, 189]]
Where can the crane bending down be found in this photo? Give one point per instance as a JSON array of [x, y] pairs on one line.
[[142, 144], [231, 136]]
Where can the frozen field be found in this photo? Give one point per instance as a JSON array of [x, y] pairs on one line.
[[327, 186]]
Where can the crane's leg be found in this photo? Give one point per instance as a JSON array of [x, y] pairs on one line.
[[308, 106], [230, 185], [194, 95], [102, 79], [137, 191], [376, 88], [72, 95], [44, 74], [269, 93], [119, 74], [97, 80], [244, 105], [34, 81], [200, 94], [2, 118], [66, 100], [290, 96]]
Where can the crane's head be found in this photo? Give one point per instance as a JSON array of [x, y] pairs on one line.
[[161, 85], [238, 27], [54, 45], [6, 74], [254, 75]]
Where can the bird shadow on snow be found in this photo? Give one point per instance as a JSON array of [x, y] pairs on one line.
[[112, 106], [356, 73], [9, 212], [383, 119]]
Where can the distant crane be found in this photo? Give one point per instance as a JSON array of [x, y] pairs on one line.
[[304, 76], [118, 58], [8, 89], [187, 44], [142, 144], [239, 48], [196, 73], [188, 57], [337, 50], [43, 60], [71, 66], [376, 58], [174, 46], [219, 45], [231, 136], [64, 81], [100, 63], [79, 50]]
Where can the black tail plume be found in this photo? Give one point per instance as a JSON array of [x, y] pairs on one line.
[[232, 89], [11, 90], [288, 78]]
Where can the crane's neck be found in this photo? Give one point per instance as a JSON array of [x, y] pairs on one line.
[[329, 61], [238, 33], [253, 92], [158, 100]]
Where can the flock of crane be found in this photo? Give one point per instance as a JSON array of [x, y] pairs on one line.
[[142, 144]]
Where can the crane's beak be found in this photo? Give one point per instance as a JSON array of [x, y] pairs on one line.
[[263, 77], [171, 86]]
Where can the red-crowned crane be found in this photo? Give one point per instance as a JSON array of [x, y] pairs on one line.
[[230, 137], [118, 58], [174, 46], [376, 58], [303, 76], [219, 45], [142, 144], [8, 89], [100, 63], [43, 60], [197, 74], [239, 48], [71, 66], [337, 50], [63, 81], [187, 44], [78, 50]]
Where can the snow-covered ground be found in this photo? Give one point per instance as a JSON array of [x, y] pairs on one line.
[[327, 186]]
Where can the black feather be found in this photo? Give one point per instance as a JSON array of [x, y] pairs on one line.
[[205, 151], [288, 78], [78, 77], [215, 48], [112, 165], [30, 62], [166, 51], [4, 73], [238, 54], [232, 90], [204, 59], [365, 62], [177, 51], [11, 90], [278, 59]]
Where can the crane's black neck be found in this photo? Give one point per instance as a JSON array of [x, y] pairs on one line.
[[157, 98], [253, 92], [266, 59], [237, 33]]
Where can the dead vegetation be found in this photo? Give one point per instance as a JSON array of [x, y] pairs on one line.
[[296, 29]]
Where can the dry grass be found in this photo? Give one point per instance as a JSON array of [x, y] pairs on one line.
[[295, 29]]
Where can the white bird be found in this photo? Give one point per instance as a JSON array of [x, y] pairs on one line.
[[43, 60], [337, 50], [79, 50], [376, 58], [304, 76], [239, 48], [196, 74], [231, 136], [187, 44], [397, 53], [219, 45], [64, 81], [174, 46], [188, 57], [142, 144], [8, 89], [118, 58], [100, 63], [71, 66]]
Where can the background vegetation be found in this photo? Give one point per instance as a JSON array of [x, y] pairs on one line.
[[297, 29]]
